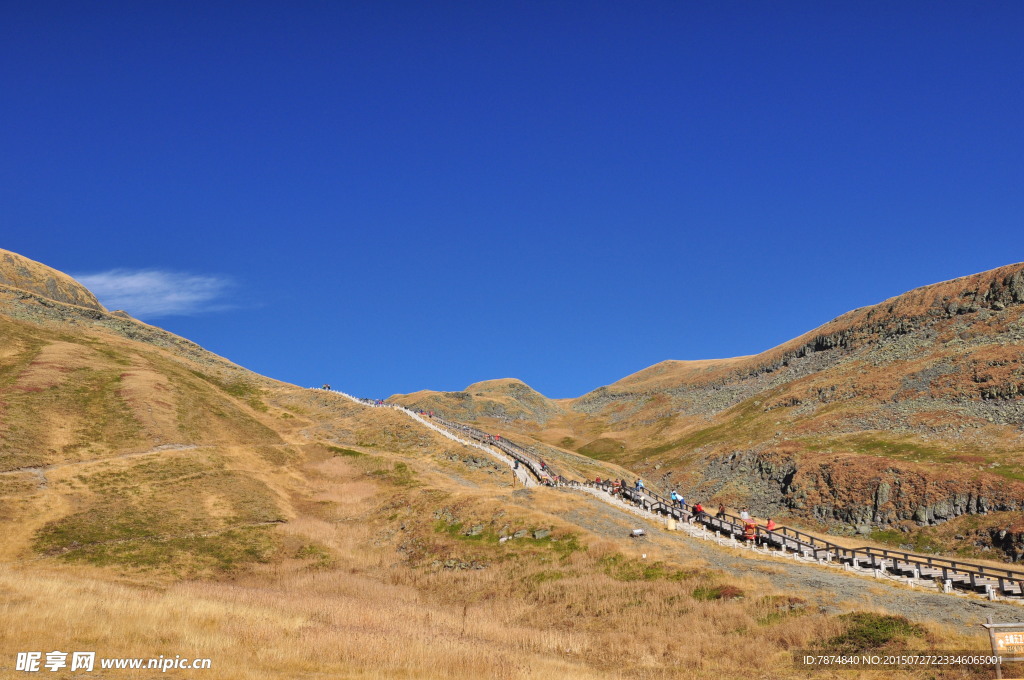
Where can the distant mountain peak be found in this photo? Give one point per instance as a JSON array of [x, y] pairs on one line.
[[19, 272]]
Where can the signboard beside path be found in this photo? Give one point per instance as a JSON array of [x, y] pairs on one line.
[[1007, 642]]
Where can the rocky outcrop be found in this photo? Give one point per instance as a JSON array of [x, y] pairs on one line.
[[1009, 539], [854, 491], [1003, 291]]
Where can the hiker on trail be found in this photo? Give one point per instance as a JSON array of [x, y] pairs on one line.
[[639, 485], [744, 515], [674, 497], [772, 526], [698, 512], [515, 464], [721, 511], [749, 531]]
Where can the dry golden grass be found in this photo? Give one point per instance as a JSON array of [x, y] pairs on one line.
[[377, 608], [51, 366], [365, 618]]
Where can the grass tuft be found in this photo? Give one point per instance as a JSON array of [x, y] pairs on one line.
[[719, 592], [866, 631], [338, 451], [622, 568]]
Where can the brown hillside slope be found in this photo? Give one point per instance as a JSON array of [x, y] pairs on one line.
[[993, 290], [115, 434]]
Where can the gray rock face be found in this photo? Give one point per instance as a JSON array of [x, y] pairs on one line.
[[1008, 291], [445, 515], [857, 494], [767, 479], [882, 494], [1010, 542], [541, 533], [475, 462]]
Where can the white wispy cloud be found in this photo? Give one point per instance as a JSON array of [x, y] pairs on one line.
[[152, 293]]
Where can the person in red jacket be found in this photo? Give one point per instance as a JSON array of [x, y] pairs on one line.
[[772, 526]]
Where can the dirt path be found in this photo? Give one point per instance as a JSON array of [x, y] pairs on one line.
[[40, 470]]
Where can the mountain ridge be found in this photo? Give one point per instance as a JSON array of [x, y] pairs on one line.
[[925, 388]]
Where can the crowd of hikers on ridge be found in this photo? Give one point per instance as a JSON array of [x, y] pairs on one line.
[[696, 512]]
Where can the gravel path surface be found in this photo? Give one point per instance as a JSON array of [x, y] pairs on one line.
[[830, 586]]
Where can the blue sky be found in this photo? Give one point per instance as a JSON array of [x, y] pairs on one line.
[[392, 196]]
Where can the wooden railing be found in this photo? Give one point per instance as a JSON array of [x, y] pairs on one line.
[[956, 573], [540, 471]]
